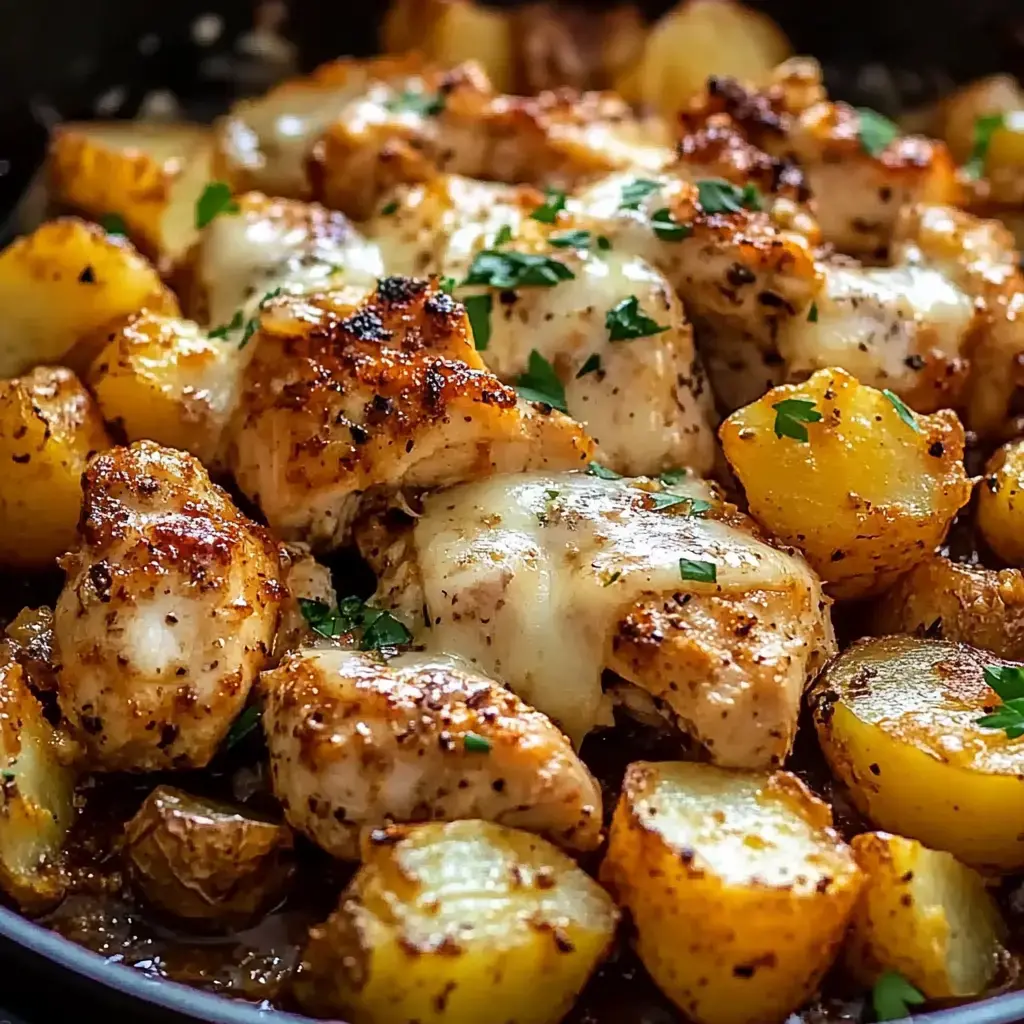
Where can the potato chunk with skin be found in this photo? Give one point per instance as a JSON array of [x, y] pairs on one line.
[[739, 888], [206, 862], [49, 428], [461, 922], [897, 721], [36, 794], [62, 284], [867, 495], [923, 914], [946, 600], [1001, 503]]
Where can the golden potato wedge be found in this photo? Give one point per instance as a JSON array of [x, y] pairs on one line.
[[36, 797], [739, 888], [62, 284], [460, 922], [947, 600], [1001, 503], [862, 492], [49, 427], [924, 915], [149, 174], [897, 721], [163, 379], [958, 113], [206, 862]]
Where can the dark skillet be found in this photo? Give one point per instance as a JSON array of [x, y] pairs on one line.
[[57, 60]]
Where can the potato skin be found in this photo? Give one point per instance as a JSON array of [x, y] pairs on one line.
[[457, 922], [730, 934], [36, 796], [205, 862], [947, 600], [924, 915], [49, 427], [1001, 503], [896, 720], [867, 496]]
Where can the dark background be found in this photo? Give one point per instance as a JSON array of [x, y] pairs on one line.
[[57, 57]]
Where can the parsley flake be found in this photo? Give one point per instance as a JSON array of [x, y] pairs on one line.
[[548, 211], [667, 228], [244, 724], [425, 104], [666, 499], [626, 321], [672, 476], [876, 131], [516, 270], [812, 313], [215, 200], [790, 416], [474, 744], [389, 208], [617, 575], [234, 324], [698, 571], [902, 411], [716, 195], [570, 240], [447, 285], [892, 996], [603, 243], [253, 324], [592, 365], [984, 128], [602, 472], [636, 191], [540, 383], [379, 627], [504, 234], [382, 629], [1008, 682], [478, 309], [113, 224], [8, 775]]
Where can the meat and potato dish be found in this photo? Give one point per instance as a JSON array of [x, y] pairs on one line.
[[527, 538]]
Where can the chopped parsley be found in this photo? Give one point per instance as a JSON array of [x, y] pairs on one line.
[[876, 131], [548, 211], [984, 128], [253, 324], [234, 324], [672, 476], [636, 191], [1008, 682], [550, 497], [603, 243], [602, 472], [626, 321], [380, 628], [893, 995], [698, 571], [7, 775], [716, 195], [592, 365], [790, 416], [812, 313], [215, 200], [389, 208], [666, 499], [425, 104], [516, 270], [447, 285], [244, 724], [503, 235], [474, 744], [902, 411], [570, 239], [617, 575], [113, 224], [540, 383], [667, 228], [478, 309]]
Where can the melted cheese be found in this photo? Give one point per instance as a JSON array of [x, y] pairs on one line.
[[526, 577]]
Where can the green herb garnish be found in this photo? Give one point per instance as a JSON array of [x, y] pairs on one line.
[[548, 211], [716, 195], [447, 285], [667, 228], [516, 270], [234, 324], [892, 996], [478, 308], [902, 411], [670, 477], [699, 572], [253, 324], [876, 131], [244, 724], [603, 243], [215, 200], [380, 628], [666, 499], [425, 104], [113, 224], [602, 472], [389, 208], [1008, 682], [592, 365], [626, 321], [790, 416], [611, 579], [812, 313], [570, 239], [540, 383], [503, 235], [984, 128], [474, 744], [636, 191]]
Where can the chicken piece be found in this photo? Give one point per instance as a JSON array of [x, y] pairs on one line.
[[356, 742], [342, 398], [167, 615], [454, 122], [264, 143], [443, 226], [546, 580]]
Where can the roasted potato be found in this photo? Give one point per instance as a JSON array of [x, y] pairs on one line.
[[924, 915], [1001, 503], [865, 489], [460, 922], [739, 889], [205, 862], [897, 719], [958, 114], [49, 427], [946, 600], [148, 174], [30, 638], [698, 38], [36, 796], [61, 285]]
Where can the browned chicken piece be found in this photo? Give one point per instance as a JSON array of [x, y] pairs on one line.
[[344, 397], [546, 580], [167, 615], [454, 122], [359, 742]]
